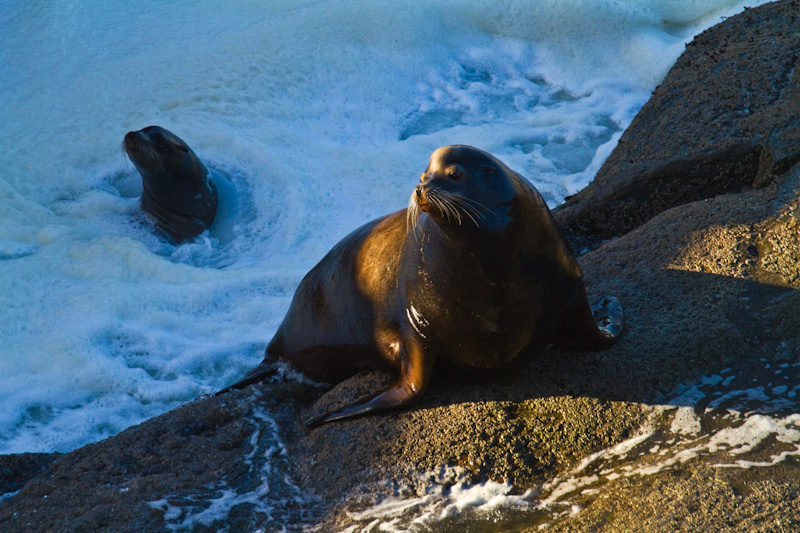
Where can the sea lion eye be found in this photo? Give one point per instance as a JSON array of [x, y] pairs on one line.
[[157, 138], [454, 173]]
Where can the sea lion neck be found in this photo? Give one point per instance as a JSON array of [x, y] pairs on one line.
[[452, 247]]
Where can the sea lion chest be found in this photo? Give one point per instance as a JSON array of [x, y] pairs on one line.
[[474, 306]]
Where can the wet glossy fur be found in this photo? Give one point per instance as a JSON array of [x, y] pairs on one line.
[[474, 272]]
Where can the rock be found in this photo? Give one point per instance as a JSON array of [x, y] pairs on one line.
[[703, 193], [18, 469], [213, 451], [696, 499], [725, 119]]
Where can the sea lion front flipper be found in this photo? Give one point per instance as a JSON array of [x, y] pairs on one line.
[[415, 374]]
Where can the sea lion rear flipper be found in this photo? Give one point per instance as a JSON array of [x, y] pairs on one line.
[[263, 371], [591, 328], [609, 317], [416, 368]]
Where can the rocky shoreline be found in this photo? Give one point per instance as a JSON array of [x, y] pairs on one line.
[[693, 223]]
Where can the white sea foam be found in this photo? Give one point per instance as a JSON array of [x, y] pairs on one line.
[[738, 428], [443, 495], [321, 115], [274, 500], [692, 423], [8, 495]]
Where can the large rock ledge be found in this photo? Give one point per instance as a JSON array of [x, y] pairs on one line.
[[703, 194], [724, 120]]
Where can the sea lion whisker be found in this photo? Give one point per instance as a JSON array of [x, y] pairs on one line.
[[475, 205], [468, 213], [451, 207], [147, 154], [411, 211], [155, 158], [469, 210], [472, 212], [412, 216], [434, 199], [443, 208], [455, 209], [448, 208], [458, 206]]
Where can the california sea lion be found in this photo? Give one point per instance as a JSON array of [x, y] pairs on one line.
[[179, 191], [475, 272]]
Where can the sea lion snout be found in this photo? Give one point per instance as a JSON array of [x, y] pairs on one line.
[[421, 197], [133, 142]]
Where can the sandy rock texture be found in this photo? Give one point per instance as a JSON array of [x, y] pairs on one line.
[[695, 221]]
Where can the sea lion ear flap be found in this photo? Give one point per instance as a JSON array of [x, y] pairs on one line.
[[415, 375]]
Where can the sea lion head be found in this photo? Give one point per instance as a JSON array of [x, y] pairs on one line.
[[463, 186], [172, 175]]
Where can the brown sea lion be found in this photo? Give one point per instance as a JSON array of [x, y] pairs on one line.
[[179, 191], [475, 272]]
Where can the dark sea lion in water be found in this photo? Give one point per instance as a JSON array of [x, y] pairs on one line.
[[179, 192], [474, 272]]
